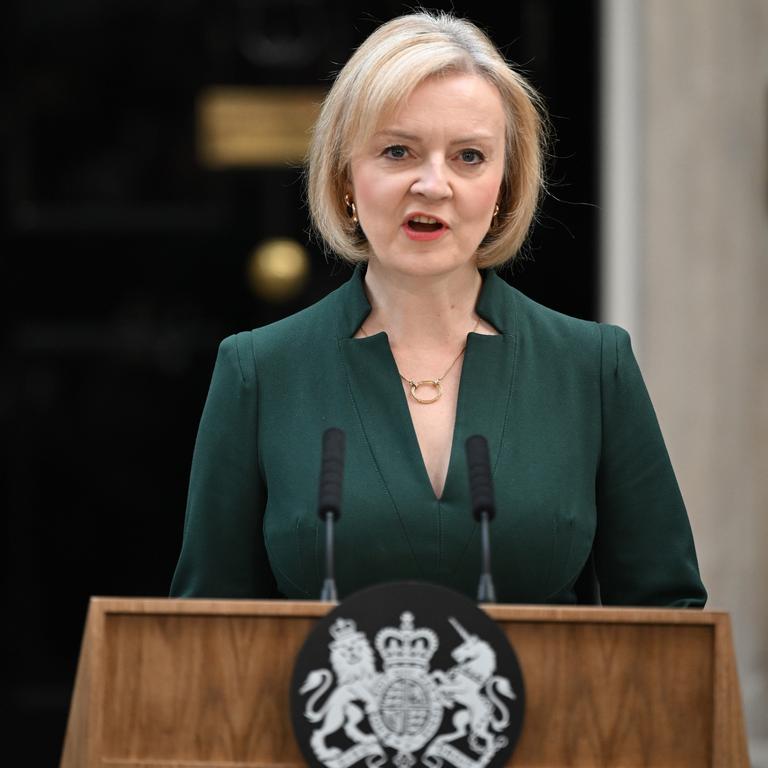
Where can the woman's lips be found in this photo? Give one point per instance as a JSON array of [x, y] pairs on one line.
[[414, 235]]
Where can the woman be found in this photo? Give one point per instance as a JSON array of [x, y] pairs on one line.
[[425, 171]]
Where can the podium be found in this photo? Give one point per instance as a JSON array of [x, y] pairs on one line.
[[203, 683]]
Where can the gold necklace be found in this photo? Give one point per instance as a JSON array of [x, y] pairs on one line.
[[434, 383]]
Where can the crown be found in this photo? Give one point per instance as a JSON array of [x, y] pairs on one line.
[[406, 646], [343, 630]]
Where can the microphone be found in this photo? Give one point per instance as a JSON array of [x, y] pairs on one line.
[[483, 508], [329, 501]]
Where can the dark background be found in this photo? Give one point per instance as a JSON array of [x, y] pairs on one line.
[[122, 265]]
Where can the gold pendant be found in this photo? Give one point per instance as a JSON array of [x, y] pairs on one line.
[[434, 383]]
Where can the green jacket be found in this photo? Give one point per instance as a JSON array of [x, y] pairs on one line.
[[579, 464]]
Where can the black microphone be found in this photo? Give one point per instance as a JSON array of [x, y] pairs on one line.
[[329, 501], [483, 508]]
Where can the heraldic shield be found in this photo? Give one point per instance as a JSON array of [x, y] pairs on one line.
[[407, 674]]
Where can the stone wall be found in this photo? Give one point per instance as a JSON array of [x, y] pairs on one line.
[[698, 280]]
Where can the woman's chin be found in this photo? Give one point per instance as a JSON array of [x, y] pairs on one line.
[[425, 264]]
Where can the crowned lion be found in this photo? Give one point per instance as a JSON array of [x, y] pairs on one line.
[[354, 666]]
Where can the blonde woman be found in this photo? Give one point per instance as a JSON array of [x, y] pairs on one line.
[[424, 171]]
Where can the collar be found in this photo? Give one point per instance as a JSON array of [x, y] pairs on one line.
[[377, 393], [495, 304]]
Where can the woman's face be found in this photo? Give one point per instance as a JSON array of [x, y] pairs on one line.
[[441, 155]]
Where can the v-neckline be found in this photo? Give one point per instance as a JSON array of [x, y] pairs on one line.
[[405, 415], [378, 397]]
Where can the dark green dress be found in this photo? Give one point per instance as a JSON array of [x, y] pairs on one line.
[[578, 461]]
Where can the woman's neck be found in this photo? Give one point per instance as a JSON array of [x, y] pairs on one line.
[[422, 312]]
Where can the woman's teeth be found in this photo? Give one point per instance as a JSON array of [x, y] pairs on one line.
[[424, 224]]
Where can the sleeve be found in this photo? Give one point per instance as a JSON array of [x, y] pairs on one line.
[[644, 552], [223, 553]]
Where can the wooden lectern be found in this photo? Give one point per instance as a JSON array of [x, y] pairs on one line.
[[197, 683]]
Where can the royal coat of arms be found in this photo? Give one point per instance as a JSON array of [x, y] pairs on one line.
[[454, 716]]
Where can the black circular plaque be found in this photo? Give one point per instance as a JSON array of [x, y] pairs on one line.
[[407, 674]]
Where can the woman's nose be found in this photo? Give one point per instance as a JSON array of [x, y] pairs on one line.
[[432, 181]]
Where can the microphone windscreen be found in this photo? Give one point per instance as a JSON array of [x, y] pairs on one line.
[[331, 473], [480, 483]]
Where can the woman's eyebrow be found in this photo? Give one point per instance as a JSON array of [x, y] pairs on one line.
[[413, 137]]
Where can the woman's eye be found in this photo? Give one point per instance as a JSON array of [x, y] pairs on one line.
[[468, 156], [472, 156], [395, 152]]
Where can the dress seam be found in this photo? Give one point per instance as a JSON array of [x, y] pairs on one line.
[[375, 463], [513, 338], [511, 389], [439, 536]]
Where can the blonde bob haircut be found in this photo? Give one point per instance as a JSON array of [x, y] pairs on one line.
[[376, 82]]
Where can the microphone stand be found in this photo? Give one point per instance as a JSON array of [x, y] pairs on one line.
[[483, 509], [329, 502], [328, 593], [486, 591]]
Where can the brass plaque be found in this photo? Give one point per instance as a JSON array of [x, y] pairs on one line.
[[250, 126]]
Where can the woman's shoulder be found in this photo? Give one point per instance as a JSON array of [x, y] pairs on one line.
[[585, 341], [316, 320], [294, 336], [557, 335], [532, 317]]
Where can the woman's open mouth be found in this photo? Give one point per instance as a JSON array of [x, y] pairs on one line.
[[424, 228]]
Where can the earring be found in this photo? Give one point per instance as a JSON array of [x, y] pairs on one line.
[[350, 204], [496, 213]]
